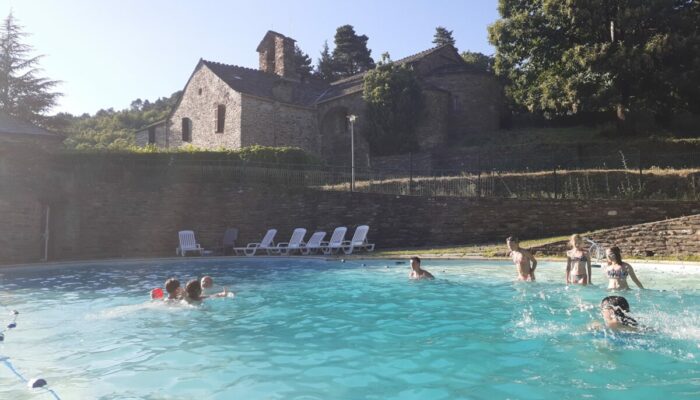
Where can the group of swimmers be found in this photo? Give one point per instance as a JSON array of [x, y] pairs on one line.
[[194, 292], [614, 309]]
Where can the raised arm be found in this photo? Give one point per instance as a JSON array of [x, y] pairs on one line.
[[630, 270]]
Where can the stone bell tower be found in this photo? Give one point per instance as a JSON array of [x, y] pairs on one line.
[[277, 55]]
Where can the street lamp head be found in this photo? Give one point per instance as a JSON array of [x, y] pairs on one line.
[[352, 117]]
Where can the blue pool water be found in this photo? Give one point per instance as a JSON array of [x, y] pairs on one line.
[[313, 329]]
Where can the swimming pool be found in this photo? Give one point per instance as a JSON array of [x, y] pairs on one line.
[[316, 329]]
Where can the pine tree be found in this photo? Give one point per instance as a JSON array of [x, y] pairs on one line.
[[443, 36], [22, 93], [324, 70], [351, 55], [302, 61]]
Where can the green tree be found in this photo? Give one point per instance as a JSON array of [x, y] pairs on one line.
[[23, 93], [627, 57], [350, 55], [324, 69], [478, 61], [302, 61], [443, 36], [395, 106]]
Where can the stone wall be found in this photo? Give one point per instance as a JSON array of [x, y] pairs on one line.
[[676, 236], [432, 130], [335, 133], [160, 136], [204, 92], [271, 123]]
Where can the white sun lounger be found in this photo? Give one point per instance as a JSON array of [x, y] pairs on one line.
[[296, 242], [187, 243], [265, 244], [336, 241], [358, 241], [314, 243]]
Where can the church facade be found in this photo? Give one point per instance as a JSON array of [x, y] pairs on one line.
[[228, 106]]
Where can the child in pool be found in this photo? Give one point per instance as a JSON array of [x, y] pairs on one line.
[[615, 311], [207, 283], [174, 290], [524, 261], [618, 271], [417, 272], [193, 291], [578, 263]]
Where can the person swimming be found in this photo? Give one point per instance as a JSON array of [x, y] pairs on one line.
[[417, 272], [615, 311], [174, 290], [618, 271], [578, 263]]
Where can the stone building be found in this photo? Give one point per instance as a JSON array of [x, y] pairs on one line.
[[16, 131], [228, 106]]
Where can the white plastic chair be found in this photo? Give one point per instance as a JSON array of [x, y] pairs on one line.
[[265, 244], [314, 243], [296, 242], [187, 243], [336, 241], [358, 241]]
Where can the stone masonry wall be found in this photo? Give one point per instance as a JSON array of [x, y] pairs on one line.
[[161, 141], [201, 109], [269, 123], [676, 236]]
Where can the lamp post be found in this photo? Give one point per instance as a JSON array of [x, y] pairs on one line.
[[352, 119]]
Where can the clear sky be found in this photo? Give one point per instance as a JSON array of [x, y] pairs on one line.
[[108, 53]]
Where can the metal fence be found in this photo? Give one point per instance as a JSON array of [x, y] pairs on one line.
[[620, 178]]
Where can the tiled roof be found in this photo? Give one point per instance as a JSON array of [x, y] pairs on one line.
[[16, 126], [261, 84]]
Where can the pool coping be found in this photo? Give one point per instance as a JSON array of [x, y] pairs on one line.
[[364, 256]]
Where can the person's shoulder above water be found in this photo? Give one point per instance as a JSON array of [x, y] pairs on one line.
[[417, 272]]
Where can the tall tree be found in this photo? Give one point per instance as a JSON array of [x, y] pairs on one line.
[[324, 69], [478, 61], [443, 36], [628, 57], [302, 62], [350, 55], [22, 92], [395, 106]]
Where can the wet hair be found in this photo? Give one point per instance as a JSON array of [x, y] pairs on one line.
[[512, 239], [574, 238], [620, 308], [614, 253], [416, 259], [171, 285], [194, 289]]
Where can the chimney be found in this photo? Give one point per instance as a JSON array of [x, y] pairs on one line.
[[277, 55]]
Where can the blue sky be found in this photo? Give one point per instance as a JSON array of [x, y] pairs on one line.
[[108, 53]]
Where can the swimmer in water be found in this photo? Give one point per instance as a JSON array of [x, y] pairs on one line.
[[524, 261], [618, 271], [207, 283], [174, 290], [615, 311], [578, 263], [417, 272]]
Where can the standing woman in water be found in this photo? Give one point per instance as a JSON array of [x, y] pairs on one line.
[[578, 263], [618, 271]]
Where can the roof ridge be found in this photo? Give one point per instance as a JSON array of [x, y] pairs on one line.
[[234, 65], [423, 52]]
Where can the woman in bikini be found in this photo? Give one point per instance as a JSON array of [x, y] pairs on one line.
[[578, 263], [618, 271]]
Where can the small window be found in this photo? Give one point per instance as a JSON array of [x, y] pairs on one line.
[[186, 130], [220, 118], [152, 135], [199, 92]]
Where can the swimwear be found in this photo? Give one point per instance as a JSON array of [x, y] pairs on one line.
[[576, 278], [617, 273]]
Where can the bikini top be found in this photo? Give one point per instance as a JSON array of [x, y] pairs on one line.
[[617, 273], [583, 258]]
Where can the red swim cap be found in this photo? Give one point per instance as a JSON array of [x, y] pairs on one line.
[[157, 293]]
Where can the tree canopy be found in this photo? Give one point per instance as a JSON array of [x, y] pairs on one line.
[[350, 55], [302, 62], [478, 61], [443, 36], [395, 106], [624, 56], [23, 93], [324, 69]]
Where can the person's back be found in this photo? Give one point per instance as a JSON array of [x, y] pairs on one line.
[[417, 272]]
